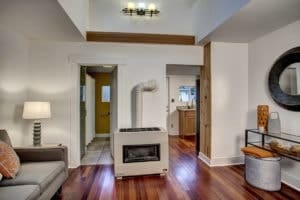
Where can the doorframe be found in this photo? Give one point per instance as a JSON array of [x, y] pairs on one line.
[[168, 103], [76, 62]]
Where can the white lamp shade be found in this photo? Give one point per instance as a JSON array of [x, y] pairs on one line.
[[36, 110]]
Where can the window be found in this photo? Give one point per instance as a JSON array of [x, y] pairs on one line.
[[105, 93], [187, 93]]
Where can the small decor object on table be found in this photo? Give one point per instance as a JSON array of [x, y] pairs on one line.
[[274, 125], [279, 147], [295, 150], [262, 117], [36, 111]]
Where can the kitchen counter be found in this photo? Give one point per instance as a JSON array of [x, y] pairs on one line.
[[185, 108]]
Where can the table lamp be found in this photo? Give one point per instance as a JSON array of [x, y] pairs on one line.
[[36, 111]]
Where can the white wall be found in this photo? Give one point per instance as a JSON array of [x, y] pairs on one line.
[[262, 54], [229, 71], [175, 17], [113, 108], [209, 14], [14, 60], [174, 83], [78, 11], [90, 109], [51, 66]]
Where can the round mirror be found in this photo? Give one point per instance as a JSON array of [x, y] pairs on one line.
[[284, 80], [289, 80]]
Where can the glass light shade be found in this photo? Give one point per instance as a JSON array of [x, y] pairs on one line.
[[107, 66], [152, 7], [36, 110], [141, 6], [130, 6]]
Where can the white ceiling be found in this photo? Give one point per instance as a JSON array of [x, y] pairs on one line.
[[38, 19], [100, 69], [175, 17], [46, 19], [256, 19]]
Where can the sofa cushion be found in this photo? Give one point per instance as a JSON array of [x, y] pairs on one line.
[[36, 173], [4, 137], [9, 161], [20, 192]]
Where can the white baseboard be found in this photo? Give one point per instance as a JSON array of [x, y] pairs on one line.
[[215, 162], [238, 160], [204, 158], [101, 135], [290, 180]]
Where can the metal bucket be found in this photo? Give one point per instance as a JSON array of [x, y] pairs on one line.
[[263, 173]]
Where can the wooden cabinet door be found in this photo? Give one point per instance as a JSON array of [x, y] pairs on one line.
[[189, 124]]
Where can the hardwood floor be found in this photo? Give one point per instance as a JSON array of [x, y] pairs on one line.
[[188, 178]]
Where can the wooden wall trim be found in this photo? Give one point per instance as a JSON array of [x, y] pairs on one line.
[[140, 38], [205, 103]]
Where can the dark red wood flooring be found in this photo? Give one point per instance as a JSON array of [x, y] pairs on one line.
[[188, 178]]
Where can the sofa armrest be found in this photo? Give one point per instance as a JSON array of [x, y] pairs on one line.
[[40, 154]]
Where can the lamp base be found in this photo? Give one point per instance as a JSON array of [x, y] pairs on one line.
[[37, 133]]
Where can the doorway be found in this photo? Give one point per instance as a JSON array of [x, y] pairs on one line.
[[97, 109], [183, 107]]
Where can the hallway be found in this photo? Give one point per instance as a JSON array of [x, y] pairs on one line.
[[98, 153]]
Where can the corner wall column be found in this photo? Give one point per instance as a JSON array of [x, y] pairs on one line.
[[205, 103]]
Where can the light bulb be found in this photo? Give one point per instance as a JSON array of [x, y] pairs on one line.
[[107, 66], [141, 6], [130, 5], [152, 7]]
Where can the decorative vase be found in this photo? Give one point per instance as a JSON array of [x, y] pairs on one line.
[[262, 116], [274, 125]]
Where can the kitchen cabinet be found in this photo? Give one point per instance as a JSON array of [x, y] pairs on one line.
[[187, 122]]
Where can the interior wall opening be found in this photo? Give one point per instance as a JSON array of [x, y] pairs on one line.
[[183, 106], [98, 102]]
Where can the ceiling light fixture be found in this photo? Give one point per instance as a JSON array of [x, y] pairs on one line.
[[141, 9], [107, 66]]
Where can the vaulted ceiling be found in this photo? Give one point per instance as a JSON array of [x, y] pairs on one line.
[[218, 20], [175, 17], [256, 19], [38, 20]]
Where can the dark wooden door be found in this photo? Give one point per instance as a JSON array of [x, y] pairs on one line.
[[197, 116], [82, 110]]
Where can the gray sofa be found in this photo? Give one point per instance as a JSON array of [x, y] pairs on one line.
[[42, 173]]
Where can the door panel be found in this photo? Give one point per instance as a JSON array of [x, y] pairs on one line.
[[102, 100]]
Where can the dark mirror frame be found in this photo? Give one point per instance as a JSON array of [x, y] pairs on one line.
[[289, 102]]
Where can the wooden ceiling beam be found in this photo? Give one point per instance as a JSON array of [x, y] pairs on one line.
[[140, 38]]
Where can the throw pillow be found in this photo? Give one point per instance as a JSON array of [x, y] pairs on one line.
[[9, 161]]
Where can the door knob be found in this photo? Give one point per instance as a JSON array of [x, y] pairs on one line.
[[105, 114]]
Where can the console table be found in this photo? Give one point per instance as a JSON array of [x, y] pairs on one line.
[[265, 136]]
